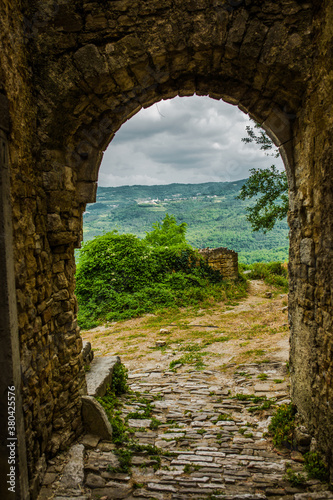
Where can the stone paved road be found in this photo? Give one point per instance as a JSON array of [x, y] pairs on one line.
[[213, 446]]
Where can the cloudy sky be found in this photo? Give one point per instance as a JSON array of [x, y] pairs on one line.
[[183, 140]]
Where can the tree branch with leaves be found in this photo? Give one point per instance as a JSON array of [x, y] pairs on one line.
[[269, 185]]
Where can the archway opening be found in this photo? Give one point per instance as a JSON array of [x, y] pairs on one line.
[[151, 156]]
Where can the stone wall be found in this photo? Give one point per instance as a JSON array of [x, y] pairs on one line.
[[223, 260], [51, 370], [311, 247], [72, 74]]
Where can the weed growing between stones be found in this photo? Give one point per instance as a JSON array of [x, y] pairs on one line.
[[188, 468], [112, 405], [222, 417], [119, 379], [315, 466], [266, 402], [155, 423], [243, 374], [144, 412], [190, 359], [125, 456], [295, 478], [125, 460], [282, 425]]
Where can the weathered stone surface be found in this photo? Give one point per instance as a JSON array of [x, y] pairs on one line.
[[322, 495], [307, 251], [139, 423], [223, 260], [100, 375], [73, 474], [90, 441], [94, 481], [120, 492], [94, 418]]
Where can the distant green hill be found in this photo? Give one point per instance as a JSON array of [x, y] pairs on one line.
[[214, 217]]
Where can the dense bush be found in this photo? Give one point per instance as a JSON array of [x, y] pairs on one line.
[[122, 276], [273, 273]]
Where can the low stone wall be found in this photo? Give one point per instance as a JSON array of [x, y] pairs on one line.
[[223, 260]]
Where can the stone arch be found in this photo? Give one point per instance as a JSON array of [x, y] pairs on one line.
[[95, 64]]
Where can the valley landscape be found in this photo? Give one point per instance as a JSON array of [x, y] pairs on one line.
[[215, 217]]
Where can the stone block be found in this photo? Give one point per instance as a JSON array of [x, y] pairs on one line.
[[307, 251], [86, 192], [95, 481], [54, 222], [73, 473], [94, 418], [90, 441], [100, 375], [89, 61]]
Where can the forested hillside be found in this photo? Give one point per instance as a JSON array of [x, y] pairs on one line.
[[214, 216]]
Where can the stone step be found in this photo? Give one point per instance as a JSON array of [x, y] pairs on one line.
[[100, 375]]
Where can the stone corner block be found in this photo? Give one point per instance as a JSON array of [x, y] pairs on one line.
[[100, 375], [94, 418]]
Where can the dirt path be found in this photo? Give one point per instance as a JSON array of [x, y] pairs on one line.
[[254, 329]]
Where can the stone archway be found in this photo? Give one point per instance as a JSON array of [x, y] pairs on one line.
[[93, 66]]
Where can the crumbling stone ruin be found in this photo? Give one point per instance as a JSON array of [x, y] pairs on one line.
[[223, 260], [71, 73]]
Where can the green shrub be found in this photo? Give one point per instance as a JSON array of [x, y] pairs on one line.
[[315, 466], [119, 379], [120, 276], [282, 425], [295, 478]]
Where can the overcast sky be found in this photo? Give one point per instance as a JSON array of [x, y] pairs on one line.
[[183, 140]]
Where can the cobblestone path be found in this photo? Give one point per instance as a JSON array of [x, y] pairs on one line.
[[211, 446]]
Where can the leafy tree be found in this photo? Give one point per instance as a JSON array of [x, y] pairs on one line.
[[167, 232], [270, 185], [273, 203]]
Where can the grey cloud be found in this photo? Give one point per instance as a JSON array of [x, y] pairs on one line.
[[194, 139]]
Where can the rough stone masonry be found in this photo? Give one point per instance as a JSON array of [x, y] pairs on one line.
[[71, 73], [223, 260]]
